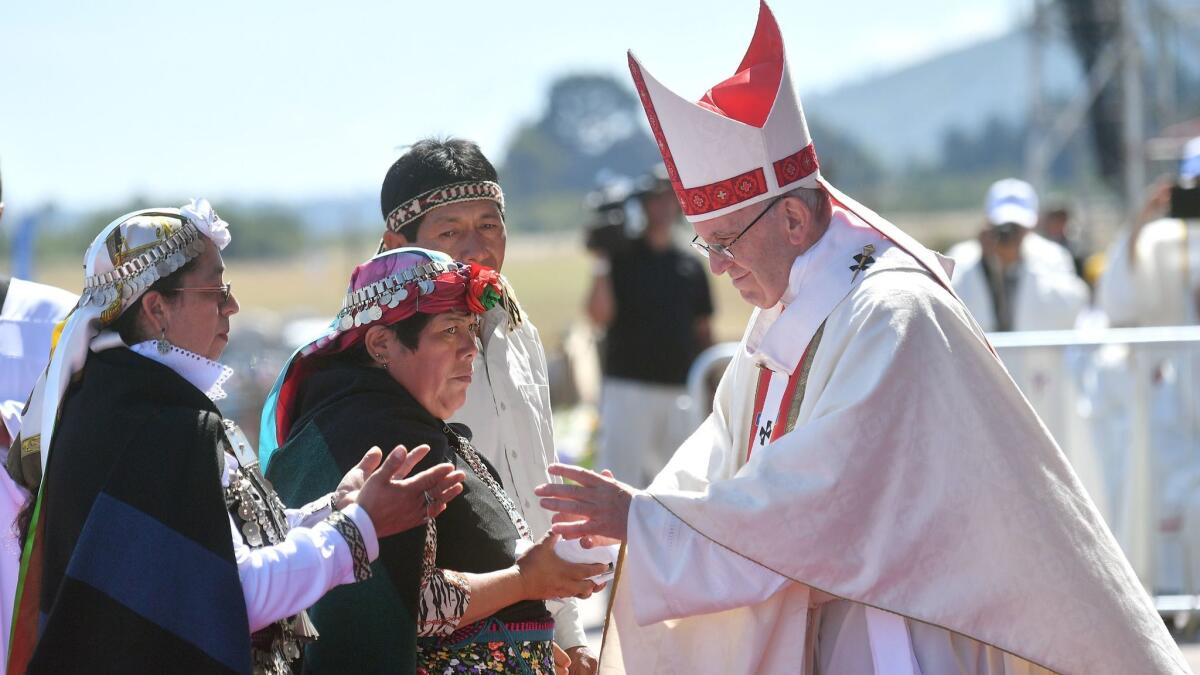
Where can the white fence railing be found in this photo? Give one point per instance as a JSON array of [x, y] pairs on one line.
[[1124, 405]]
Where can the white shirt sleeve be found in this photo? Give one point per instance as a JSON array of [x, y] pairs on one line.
[[311, 513], [281, 580], [675, 571]]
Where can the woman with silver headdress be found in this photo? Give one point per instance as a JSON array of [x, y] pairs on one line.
[[467, 594], [153, 542]]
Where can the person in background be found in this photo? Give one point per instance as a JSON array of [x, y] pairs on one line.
[[1055, 225], [29, 311], [1152, 278], [653, 300], [1012, 278]]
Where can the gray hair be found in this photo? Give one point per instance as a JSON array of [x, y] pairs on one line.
[[817, 201]]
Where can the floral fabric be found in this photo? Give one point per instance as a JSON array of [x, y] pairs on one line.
[[528, 656]]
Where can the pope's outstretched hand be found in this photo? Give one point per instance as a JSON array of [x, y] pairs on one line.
[[596, 508]]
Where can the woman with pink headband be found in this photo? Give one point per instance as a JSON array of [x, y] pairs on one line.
[[466, 593]]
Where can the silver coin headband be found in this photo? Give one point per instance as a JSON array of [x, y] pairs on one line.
[[129, 279], [366, 304]]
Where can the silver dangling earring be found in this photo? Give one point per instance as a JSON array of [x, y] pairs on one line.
[[164, 345], [381, 364]]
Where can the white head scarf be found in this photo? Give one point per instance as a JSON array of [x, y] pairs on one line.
[[122, 262]]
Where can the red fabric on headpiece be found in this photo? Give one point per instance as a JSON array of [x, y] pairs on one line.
[[749, 95], [450, 293], [462, 290]]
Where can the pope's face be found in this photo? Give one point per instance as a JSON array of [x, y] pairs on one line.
[[762, 257]]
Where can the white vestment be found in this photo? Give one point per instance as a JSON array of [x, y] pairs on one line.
[[916, 519], [1048, 295]]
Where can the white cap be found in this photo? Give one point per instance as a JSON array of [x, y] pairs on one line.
[[1011, 201], [743, 142], [1189, 168]]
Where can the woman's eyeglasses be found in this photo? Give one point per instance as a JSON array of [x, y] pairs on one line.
[[224, 289], [708, 250]]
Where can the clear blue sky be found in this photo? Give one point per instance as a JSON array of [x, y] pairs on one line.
[[272, 99]]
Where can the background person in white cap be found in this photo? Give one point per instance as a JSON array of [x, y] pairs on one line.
[[871, 493], [1012, 278]]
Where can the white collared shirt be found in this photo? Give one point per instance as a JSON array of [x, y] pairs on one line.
[[508, 412]]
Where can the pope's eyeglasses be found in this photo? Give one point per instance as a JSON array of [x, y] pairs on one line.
[[707, 250]]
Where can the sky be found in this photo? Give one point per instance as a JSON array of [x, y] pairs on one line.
[[267, 99]]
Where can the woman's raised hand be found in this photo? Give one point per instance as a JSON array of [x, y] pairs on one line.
[[394, 500]]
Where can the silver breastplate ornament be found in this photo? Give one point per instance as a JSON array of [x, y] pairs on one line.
[[259, 515]]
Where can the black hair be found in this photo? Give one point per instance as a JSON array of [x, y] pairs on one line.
[[407, 331], [431, 163], [126, 325]]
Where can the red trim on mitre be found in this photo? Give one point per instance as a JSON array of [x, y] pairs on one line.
[[724, 193], [656, 128], [749, 95], [796, 166], [704, 198]]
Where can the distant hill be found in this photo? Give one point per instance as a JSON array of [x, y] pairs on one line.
[[900, 116]]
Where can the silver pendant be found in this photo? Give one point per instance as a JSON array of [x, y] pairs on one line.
[[252, 533]]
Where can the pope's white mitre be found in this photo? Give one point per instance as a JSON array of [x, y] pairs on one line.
[[746, 140]]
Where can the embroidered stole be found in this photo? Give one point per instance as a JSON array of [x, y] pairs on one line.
[[767, 430]]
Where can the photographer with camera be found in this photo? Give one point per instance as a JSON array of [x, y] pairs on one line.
[[652, 298], [1012, 278], [1153, 272]]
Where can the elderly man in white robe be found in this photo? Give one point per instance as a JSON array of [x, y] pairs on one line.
[[871, 493]]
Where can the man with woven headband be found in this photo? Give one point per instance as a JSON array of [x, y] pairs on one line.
[[871, 493], [444, 195], [153, 542]]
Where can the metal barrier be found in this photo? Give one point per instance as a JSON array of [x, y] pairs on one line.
[[1124, 405]]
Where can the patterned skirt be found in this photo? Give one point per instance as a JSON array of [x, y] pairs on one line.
[[490, 646]]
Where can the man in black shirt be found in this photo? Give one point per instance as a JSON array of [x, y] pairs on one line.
[[653, 298]]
